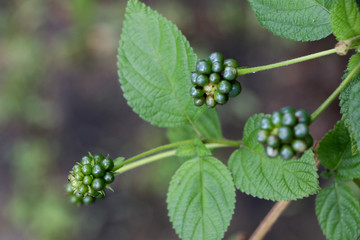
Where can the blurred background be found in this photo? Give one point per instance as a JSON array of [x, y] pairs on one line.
[[60, 98]]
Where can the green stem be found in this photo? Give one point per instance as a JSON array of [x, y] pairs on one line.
[[243, 71], [154, 150], [163, 155], [333, 96]]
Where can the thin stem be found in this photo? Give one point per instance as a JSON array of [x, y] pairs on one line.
[[163, 155], [154, 150], [243, 71], [333, 96], [269, 220]]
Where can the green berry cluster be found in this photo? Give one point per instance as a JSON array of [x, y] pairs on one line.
[[286, 133], [89, 178], [214, 81]]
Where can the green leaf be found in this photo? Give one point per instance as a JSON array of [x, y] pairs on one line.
[[301, 20], [335, 153], [345, 99], [271, 178], [154, 62], [345, 19], [354, 113], [208, 125], [338, 213], [201, 199]]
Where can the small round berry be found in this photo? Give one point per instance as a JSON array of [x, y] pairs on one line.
[[266, 124], [214, 78], [199, 101], [79, 176], [210, 101], [309, 140], [92, 192], [76, 169], [75, 184], [68, 188], [87, 180], [86, 160], [273, 141], [289, 119], [202, 80], [83, 189], [220, 97], [75, 199], [98, 171], [193, 77], [86, 169], [262, 136], [98, 158], [98, 184], [298, 145], [303, 116], [231, 63], [101, 196], [203, 67], [235, 89], [288, 109], [230, 73], [196, 92], [109, 177], [276, 118], [272, 152], [286, 152], [285, 134], [301, 130], [217, 67], [107, 164], [88, 200], [224, 86], [216, 57]]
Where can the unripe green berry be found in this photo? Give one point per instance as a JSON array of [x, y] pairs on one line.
[[76, 169], [276, 118], [286, 152], [75, 184], [303, 116], [272, 152], [98, 157], [98, 184], [287, 109], [298, 145], [193, 77], [195, 92], [83, 189], [214, 78], [220, 97], [285, 134], [262, 136], [203, 67], [289, 119], [92, 192], [88, 200], [79, 176], [199, 101], [231, 63], [101, 196], [68, 188], [86, 160], [224, 87], [217, 67], [216, 57], [87, 180], [75, 200], [98, 171], [301, 130], [309, 140], [109, 177], [202, 80], [86, 169], [266, 124], [230, 73], [210, 101], [235, 89], [273, 141], [107, 164]]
